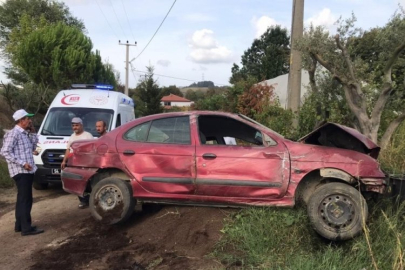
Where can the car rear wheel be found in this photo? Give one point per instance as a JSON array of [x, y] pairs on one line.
[[111, 201], [337, 211]]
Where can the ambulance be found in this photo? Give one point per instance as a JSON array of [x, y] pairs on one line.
[[89, 102]]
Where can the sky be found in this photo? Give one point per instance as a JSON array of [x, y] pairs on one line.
[[200, 40]]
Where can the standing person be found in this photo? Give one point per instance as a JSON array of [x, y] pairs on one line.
[[101, 127], [78, 134], [18, 145]]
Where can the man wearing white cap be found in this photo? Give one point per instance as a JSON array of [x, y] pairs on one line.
[[78, 134], [18, 145]]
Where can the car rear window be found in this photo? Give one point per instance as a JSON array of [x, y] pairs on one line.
[[167, 130]]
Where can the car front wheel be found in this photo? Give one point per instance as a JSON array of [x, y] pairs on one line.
[[111, 201], [337, 211]]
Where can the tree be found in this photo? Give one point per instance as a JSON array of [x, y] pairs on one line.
[[368, 82], [255, 99], [203, 84], [53, 12], [172, 89], [194, 95], [148, 95], [268, 57], [59, 55]]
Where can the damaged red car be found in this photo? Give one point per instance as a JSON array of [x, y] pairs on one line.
[[221, 159]]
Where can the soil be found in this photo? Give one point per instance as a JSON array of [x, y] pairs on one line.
[[159, 237]]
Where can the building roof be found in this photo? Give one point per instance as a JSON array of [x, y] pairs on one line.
[[174, 98]]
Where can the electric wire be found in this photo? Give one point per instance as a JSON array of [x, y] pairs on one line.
[[155, 32], [129, 24], [166, 76], [107, 20], [116, 16]]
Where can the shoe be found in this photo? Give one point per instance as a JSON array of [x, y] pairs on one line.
[[83, 205], [32, 232], [32, 228]]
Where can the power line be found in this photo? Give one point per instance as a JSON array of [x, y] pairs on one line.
[[155, 31], [129, 24], [171, 77], [119, 23], [107, 20]]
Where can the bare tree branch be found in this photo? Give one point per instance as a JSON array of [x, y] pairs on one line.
[[391, 129], [387, 88]]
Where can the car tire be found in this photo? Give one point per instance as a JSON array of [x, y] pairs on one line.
[[112, 201], [40, 186], [337, 211]]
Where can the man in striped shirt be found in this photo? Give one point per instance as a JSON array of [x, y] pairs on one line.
[[18, 146]]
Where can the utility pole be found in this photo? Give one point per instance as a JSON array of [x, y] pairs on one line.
[[126, 64], [294, 78]]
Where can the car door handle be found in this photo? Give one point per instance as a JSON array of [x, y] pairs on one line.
[[128, 152], [209, 156]]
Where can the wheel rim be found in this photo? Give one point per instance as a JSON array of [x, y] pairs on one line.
[[337, 211], [109, 197]]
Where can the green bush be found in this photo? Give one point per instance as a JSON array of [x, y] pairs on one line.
[[5, 180]]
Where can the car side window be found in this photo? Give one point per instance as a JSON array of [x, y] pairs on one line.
[[138, 133], [170, 130]]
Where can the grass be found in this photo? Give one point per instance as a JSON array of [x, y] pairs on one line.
[[5, 180], [272, 238]]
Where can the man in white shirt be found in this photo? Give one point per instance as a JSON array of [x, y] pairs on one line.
[[78, 134]]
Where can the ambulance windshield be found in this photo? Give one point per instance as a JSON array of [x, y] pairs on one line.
[[58, 120]]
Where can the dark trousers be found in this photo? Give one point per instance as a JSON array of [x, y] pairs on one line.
[[24, 201]]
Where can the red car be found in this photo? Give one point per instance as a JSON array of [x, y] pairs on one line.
[[222, 159]]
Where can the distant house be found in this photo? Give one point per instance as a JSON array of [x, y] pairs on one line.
[[173, 100]]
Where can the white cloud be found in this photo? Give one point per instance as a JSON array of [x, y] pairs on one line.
[[205, 48], [325, 18], [204, 39], [164, 63], [262, 24]]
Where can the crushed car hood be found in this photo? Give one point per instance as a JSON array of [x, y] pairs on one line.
[[335, 135]]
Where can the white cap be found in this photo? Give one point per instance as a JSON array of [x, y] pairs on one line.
[[21, 114], [77, 120]]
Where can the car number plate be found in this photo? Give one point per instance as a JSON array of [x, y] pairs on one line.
[[55, 171]]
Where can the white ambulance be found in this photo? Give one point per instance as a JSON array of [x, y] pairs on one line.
[[89, 102]]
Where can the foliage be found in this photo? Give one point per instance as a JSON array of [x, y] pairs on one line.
[[392, 158], [52, 11], [367, 65], [213, 100], [203, 84], [172, 89], [268, 57], [147, 96], [326, 105], [194, 95], [5, 180], [255, 99], [277, 118], [267, 238], [52, 58]]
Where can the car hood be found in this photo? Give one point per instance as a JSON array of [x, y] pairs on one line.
[[339, 136]]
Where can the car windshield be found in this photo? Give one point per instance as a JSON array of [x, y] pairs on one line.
[[257, 123], [58, 120]]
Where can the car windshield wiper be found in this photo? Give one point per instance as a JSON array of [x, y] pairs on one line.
[[47, 132]]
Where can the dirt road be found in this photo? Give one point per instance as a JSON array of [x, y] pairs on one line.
[[162, 238]]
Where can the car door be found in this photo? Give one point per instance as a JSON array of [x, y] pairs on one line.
[[160, 155], [257, 167]]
